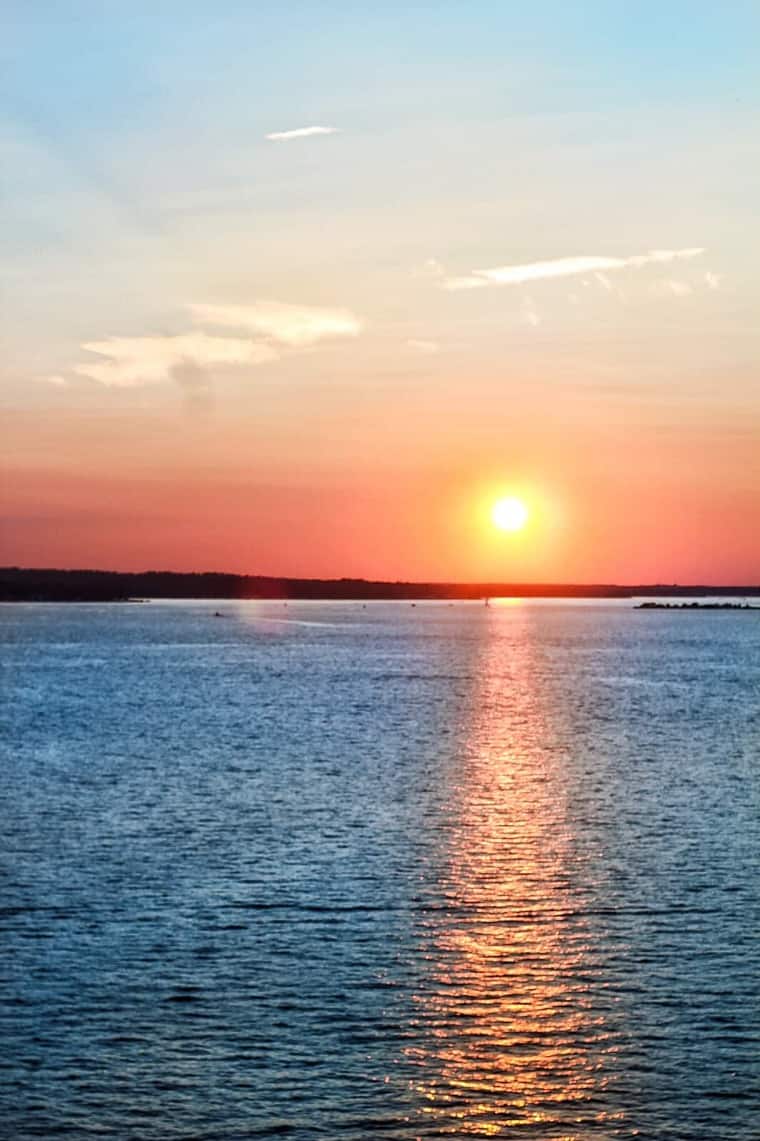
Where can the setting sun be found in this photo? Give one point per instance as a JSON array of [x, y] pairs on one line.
[[509, 514]]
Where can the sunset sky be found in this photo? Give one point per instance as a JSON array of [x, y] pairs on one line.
[[303, 288]]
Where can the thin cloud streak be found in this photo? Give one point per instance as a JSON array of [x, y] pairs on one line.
[[300, 133], [563, 267], [297, 326]]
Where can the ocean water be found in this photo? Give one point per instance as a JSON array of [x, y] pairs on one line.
[[334, 871]]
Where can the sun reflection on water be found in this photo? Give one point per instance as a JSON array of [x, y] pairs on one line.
[[508, 1031]]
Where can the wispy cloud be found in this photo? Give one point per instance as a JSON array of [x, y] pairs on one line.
[[670, 287], [293, 325], [426, 347], [563, 267], [529, 315], [431, 268], [713, 280], [300, 133], [128, 362], [267, 328]]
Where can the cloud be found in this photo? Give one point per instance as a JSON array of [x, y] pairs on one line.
[[300, 133], [713, 280], [431, 268], [470, 281], [563, 267], [195, 383], [125, 362], [293, 325], [529, 314], [426, 347], [132, 361], [657, 256], [671, 288], [56, 380]]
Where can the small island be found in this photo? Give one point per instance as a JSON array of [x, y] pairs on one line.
[[696, 606]]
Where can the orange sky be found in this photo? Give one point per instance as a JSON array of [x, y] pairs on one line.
[[388, 492]]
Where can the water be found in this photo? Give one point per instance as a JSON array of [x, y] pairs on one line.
[[333, 871]]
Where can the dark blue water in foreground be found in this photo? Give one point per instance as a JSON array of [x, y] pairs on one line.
[[325, 871]]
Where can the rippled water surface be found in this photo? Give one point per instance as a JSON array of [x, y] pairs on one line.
[[333, 871]]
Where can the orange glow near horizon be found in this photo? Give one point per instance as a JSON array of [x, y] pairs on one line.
[[144, 490]]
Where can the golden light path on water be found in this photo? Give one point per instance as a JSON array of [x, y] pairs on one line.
[[513, 1038]]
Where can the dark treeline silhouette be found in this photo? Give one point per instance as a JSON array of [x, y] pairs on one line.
[[29, 585]]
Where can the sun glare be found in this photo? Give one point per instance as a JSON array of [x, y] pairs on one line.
[[509, 514]]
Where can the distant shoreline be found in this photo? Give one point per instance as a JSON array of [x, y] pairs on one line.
[[20, 584]]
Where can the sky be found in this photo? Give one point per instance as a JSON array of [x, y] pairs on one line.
[[301, 289]]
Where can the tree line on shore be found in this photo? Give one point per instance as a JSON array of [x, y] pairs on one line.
[[18, 584]]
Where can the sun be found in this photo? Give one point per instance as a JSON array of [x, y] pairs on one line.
[[509, 514]]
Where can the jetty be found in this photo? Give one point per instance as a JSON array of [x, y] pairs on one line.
[[696, 606]]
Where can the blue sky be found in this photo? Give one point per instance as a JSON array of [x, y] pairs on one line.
[[125, 123]]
